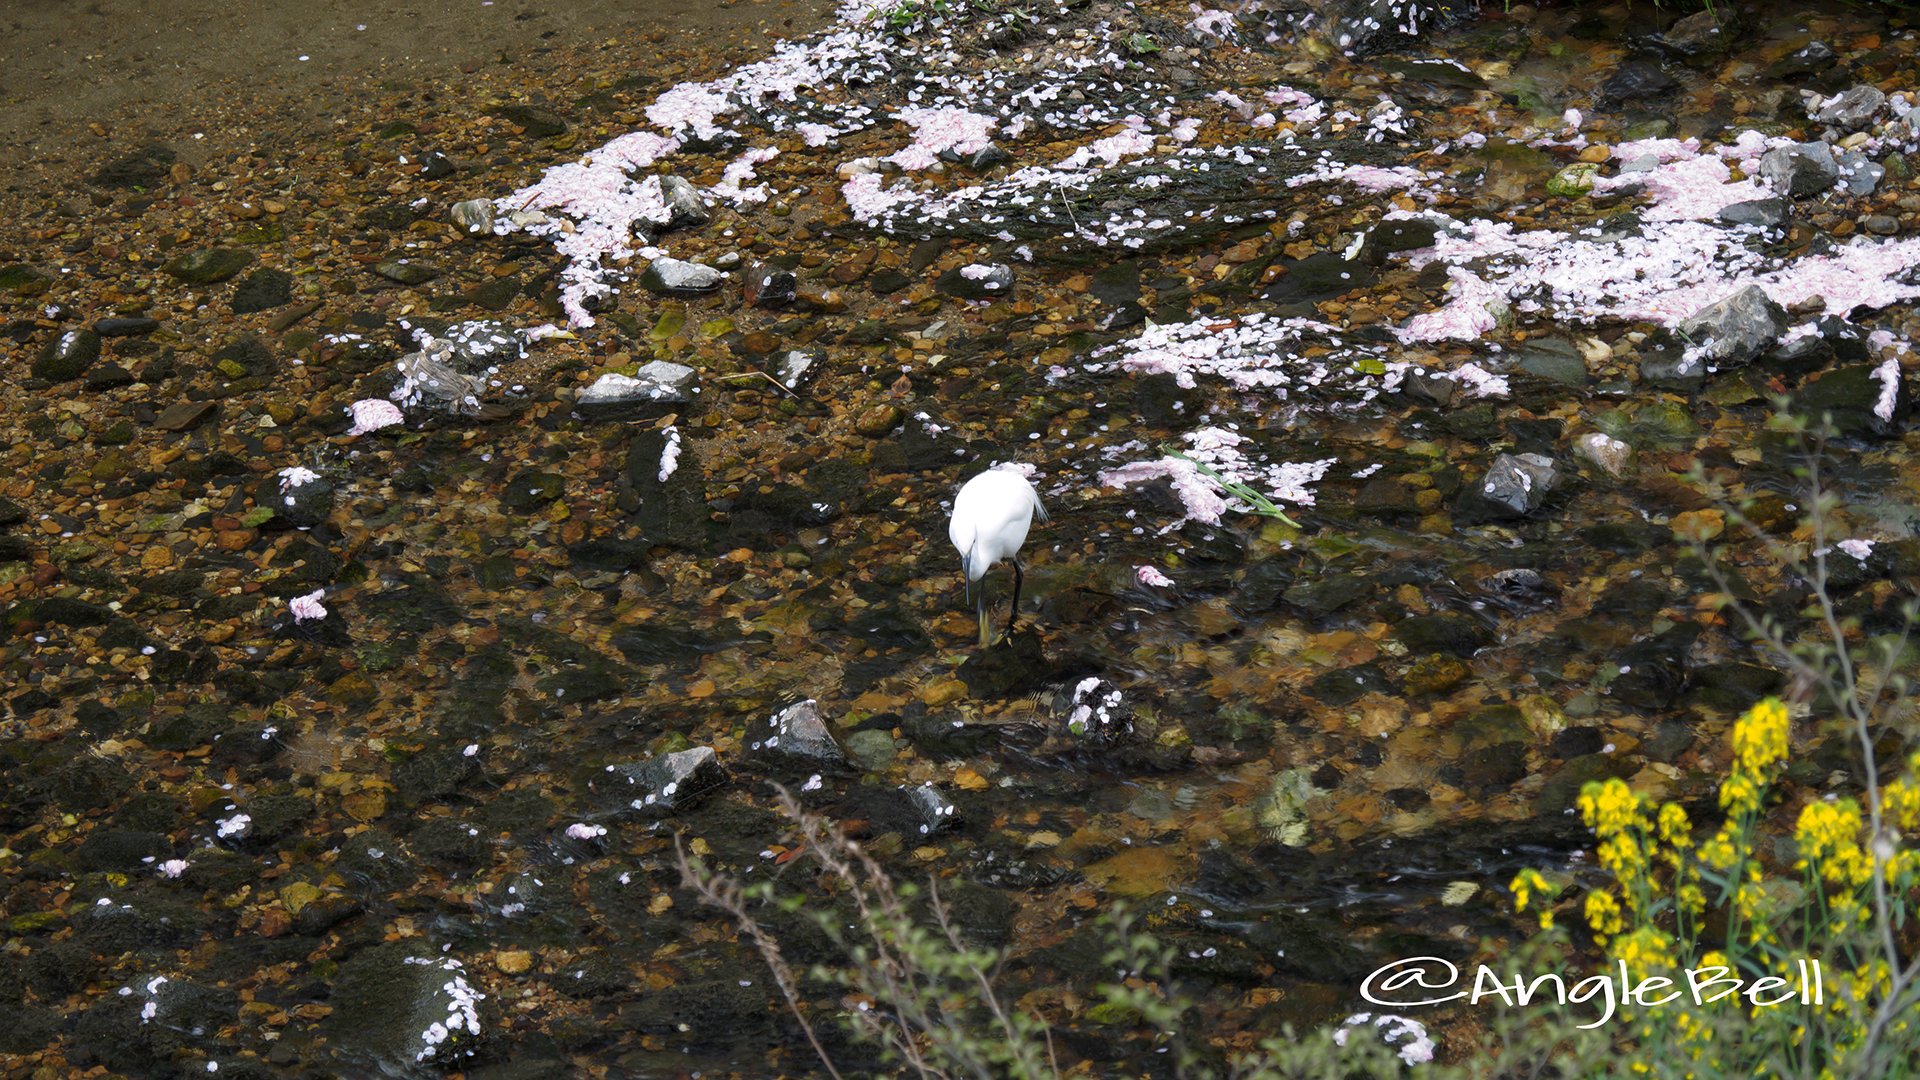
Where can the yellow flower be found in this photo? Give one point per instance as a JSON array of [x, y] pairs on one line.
[[1675, 829], [1525, 884], [1760, 737], [1603, 914]]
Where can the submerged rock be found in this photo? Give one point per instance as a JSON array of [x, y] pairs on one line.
[[68, 356], [1728, 332], [661, 785], [652, 391], [673, 277], [210, 266], [397, 1013], [1515, 485], [797, 736], [934, 811]]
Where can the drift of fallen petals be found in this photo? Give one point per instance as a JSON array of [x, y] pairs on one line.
[[1465, 317], [372, 414], [308, 606], [1198, 496], [938, 130], [1148, 575], [1691, 189], [1889, 375]]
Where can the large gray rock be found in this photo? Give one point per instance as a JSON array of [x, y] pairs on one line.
[[1515, 485], [1801, 169], [1850, 110], [652, 391], [660, 785], [796, 736], [1734, 330], [673, 277]]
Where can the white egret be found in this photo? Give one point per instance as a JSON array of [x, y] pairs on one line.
[[991, 516]]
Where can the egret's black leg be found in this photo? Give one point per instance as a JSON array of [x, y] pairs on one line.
[[1014, 612]]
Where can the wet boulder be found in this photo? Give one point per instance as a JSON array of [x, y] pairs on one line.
[[797, 738], [1637, 80], [1726, 333], [209, 266], [684, 206], [263, 290], [796, 369], [675, 277], [1652, 674], [473, 216], [661, 785], [977, 281], [1851, 110], [1612, 455], [1094, 708], [1859, 400], [933, 812], [653, 391], [1446, 632], [1349, 684], [68, 356], [429, 379], [297, 496], [1860, 173], [666, 491], [1767, 213], [1800, 169], [1368, 27], [396, 1012], [177, 1015], [1515, 485], [770, 287]]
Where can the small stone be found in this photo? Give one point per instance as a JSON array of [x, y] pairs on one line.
[[209, 266], [1612, 455], [473, 216], [186, 415], [68, 356], [137, 326], [406, 271], [263, 290], [513, 961]]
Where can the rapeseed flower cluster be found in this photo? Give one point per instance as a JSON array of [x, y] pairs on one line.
[[1682, 902]]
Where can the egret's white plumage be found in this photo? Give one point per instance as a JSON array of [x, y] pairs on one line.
[[991, 516]]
